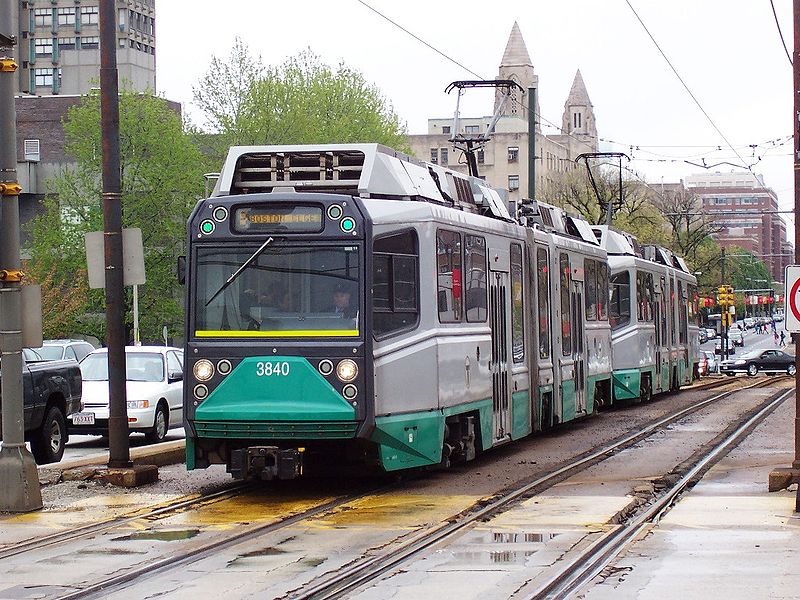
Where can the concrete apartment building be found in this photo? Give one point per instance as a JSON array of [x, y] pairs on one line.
[[58, 53], [504, 160], [745, 208]]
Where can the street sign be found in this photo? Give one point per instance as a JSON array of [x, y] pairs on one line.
[[132, 258], [791, 321]]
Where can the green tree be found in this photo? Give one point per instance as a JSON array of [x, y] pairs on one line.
[[161, 175], [302, 101], [635, 213]]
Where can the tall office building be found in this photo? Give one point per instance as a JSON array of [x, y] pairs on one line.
[[59, 45], [748, 215]]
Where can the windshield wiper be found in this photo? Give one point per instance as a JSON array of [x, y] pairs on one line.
[[238, 271]]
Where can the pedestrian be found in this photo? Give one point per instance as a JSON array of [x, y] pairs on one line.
[[775, 335], [783, 339]]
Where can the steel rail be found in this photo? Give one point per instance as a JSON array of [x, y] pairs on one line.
[[589, 563], [104, 587], [363, 572], [160, 511]]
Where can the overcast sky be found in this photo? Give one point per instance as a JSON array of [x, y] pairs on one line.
[[728, 52]]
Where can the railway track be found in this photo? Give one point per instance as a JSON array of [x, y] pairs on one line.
[[356, 574], [364, 572], [577, 573], [152, 513]]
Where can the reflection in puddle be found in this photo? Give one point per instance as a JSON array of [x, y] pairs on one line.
[[251, 558], [161, 536], [483, 550], [520, 538]]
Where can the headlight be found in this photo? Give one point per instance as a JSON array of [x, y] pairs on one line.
[[347, 370], [203, 370], [134, 404]]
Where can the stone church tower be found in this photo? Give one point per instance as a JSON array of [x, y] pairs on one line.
[[518, 66], [578, 119]]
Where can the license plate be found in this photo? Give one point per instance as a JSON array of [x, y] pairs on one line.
[[83, 419]]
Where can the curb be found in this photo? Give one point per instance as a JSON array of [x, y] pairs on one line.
[[160, 455]]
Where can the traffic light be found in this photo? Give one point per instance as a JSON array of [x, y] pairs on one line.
[[725, 296]]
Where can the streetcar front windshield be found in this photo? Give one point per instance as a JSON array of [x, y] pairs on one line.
[[287, 291]]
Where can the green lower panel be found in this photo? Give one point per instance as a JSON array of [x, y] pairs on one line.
[[190, 455], [591, 384], [520, 415], [626, 384], [335, 430], [294, 392], [567, 400], [407, 441]]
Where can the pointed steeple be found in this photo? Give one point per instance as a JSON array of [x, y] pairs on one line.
[[578, 120], [516, 53], [578, 96], [516, 65]]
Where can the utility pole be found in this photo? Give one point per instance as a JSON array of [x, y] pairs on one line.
[[19, 479], [532, 143], [118, 440], [723, 318], [796, 130]]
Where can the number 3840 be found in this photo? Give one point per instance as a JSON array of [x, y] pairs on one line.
[[272, 369]]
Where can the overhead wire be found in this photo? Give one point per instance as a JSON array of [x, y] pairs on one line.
[[689, 91], [780, 32]]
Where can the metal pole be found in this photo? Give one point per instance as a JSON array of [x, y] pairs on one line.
[[532, 143], [137, 341], [118, 442], [19, 479], [796, 129], [723, 309]]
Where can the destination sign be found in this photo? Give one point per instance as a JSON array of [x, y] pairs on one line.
[[275, 219]]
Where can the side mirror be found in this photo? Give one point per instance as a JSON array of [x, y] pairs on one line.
[[181, 270], [174, 377]]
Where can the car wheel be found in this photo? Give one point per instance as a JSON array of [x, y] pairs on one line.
[[752, 370], [160, 425], [47, 443], [791, 370]]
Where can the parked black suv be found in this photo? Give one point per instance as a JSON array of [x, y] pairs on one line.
[[51, 391]]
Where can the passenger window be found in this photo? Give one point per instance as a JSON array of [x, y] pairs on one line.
[[475, 295], [69, 353], [566, 317], [395, 302], [517, 317], [448, 274], [603, 293], [590, 277], [620, 299], [543, 293], [83, 350]]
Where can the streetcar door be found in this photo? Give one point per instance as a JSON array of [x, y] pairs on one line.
[[500, 323], [658, 308], [578, 355]]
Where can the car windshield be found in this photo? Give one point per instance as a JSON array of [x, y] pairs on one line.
[[50, 352], [139, 366], [288, 291]]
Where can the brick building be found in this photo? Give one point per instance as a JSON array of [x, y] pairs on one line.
[[747, 211], [504, 159]]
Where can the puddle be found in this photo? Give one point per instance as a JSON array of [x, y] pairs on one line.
[[519, 538], [312, 562], [160, 536], [111, 552], [247, 559]]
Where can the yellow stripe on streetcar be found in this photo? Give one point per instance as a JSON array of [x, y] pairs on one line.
[[272, 334]]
